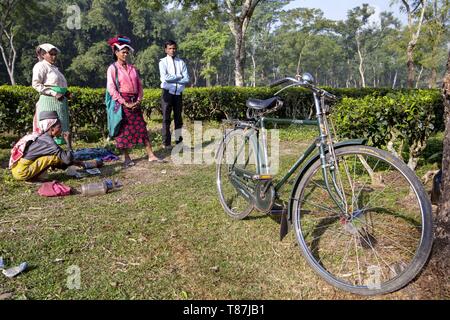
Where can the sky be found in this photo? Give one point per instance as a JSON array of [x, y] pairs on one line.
[[337, 9]]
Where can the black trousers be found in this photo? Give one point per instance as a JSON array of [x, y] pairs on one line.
[[171, 102]]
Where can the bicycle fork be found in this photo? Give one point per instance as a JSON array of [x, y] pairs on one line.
[[329, 166]]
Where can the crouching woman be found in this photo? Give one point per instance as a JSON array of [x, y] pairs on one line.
[[32, 155]]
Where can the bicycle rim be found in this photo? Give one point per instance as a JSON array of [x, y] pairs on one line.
[[235, 152], [386, 238]]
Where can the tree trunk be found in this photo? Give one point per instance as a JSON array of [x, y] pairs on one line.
[[438, 269], [361, 63], [299, 61], [433, 77], [208, 76], [394, 82], [254, 70], [195, 72], [349, 75], [444, 208], [238, 24], [418, 77], [410, 64], [8, 7], [442, 235], [374, 77], [413, 41], [239, 55], [10, 60]]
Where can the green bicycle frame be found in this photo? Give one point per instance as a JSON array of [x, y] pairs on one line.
[[302, 158], [324, 143]]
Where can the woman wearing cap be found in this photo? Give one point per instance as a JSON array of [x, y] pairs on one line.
[[129, 93], [52, 87]]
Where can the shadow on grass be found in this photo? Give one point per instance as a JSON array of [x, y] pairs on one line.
[[108, 171]]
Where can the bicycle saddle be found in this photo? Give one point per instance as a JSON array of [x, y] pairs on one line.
[[262, 104]]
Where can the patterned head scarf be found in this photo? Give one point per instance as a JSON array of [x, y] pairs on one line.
[[47, 119], [46, 124]]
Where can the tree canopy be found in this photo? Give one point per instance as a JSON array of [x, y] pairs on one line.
[[228, 42]]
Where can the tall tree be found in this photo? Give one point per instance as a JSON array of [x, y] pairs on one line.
[[357, 20], [262, 47], [443, 217], [207, 46], [436, 30], [415, 10], [298, 27], [104, 19], [14, 15], [8, 8], [239, 14], [438, 269], [381, 60]]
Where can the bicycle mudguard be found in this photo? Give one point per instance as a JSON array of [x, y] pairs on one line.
[[284, 229]]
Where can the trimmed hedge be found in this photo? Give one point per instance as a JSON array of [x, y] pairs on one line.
[[17, 104], [396, 118]]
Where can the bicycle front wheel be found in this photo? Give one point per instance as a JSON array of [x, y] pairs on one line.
[[236, 152], [375, 235]]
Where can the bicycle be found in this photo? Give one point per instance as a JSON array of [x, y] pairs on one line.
[[361, 217]]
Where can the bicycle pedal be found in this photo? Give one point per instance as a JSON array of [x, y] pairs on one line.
[[278, 209], [262, 177]]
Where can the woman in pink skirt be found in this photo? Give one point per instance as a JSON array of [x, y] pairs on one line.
[[133, 129]]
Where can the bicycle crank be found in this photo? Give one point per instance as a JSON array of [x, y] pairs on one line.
[[264, 195]]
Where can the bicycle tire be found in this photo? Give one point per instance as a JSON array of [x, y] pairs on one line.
[[392, 226], [233, 202]]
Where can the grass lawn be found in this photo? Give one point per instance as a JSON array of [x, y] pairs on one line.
[[164, 235]]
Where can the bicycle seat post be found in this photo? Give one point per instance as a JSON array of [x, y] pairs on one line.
[[265, 163]]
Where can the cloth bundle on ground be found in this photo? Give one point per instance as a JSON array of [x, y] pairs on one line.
[[95, 153], [54, 189]]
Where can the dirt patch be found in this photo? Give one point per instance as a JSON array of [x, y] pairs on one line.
[[146, 172]]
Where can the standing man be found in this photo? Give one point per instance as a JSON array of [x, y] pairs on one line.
[[174, 76]]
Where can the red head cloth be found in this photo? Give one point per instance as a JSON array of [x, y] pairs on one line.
[[120, 42]]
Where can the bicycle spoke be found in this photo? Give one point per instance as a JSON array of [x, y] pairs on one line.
[[238, 152], [322, 207], [365, 183], [332, 231], [395, 243], [334, 252], [369, 243], [347, 250], [357, 260], [350, 181], [387, 227], [376, 243]]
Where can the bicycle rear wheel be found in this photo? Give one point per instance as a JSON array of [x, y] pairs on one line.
[[235, 152], [374, 240]]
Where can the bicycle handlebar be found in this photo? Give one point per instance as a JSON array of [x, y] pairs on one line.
[[281, 81], [303, 84]]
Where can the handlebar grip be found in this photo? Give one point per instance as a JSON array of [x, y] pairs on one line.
[[278, 82], [330, 96]]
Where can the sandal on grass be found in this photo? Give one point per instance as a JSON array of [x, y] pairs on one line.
[[129, 163], [157, 160]]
